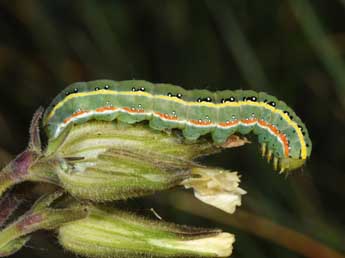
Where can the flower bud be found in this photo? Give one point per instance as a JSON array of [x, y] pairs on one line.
[[112, 161], [113, 233]]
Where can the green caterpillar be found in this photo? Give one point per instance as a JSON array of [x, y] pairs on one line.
[[196, 112]]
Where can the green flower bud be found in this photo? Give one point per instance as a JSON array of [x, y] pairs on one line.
[[113, 233], [112, 161]]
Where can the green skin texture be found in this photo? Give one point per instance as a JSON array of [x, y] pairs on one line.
[[183, 112]]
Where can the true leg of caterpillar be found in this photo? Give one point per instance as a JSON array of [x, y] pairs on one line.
[[275, 163], [263, 149], [269, 155], [235, 141], [282, 169]]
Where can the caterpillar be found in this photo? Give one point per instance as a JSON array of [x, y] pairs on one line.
[[280, 131]]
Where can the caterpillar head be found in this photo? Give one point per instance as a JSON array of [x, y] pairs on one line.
[[288, 164]]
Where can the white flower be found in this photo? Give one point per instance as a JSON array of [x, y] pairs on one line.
[[216, 187]]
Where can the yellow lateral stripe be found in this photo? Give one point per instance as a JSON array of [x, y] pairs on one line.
[[177, 100]]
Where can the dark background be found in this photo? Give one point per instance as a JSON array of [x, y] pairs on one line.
[[292, 49]]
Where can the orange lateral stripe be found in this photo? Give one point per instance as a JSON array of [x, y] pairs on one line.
[[166, 116], [286, 144], [200, 122], [263, 123], [76, 114], [129, 110], [102, 109], [249, 121], [276, 132], [229, 123]]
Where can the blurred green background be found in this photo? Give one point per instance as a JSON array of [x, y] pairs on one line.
[[293, 49]]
